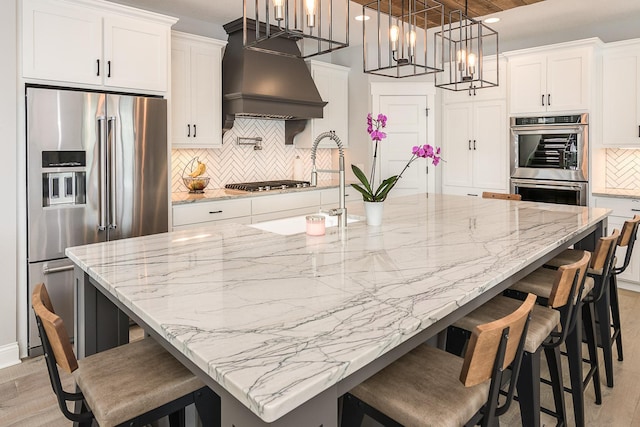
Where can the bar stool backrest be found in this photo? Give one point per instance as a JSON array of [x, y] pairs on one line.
[[503, 196], [56, 334], [480, 359], [604, 251], [628, 239], [568, 281]]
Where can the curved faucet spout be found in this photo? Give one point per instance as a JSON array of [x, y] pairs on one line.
[[342, 210]]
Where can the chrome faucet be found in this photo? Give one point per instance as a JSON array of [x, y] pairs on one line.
[[341, 212]]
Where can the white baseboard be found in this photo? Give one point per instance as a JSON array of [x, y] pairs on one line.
[[9, 355], [629, 286]]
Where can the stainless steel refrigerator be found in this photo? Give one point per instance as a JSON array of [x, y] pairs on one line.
[[96, 170]]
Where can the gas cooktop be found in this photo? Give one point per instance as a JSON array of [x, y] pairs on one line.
[[268, 185]]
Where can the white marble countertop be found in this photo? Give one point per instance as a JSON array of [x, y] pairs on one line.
[[617, 192], [212, 194], [275, 320]]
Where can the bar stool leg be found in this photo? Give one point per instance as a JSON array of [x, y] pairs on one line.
[[529, 389], [615, 314], [604, 326], [574, 353], [588, 320], [553, 357], [352, 414]]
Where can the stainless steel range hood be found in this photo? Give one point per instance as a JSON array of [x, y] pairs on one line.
[[267, 85]]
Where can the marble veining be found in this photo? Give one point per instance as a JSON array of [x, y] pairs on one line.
[[276, 320]]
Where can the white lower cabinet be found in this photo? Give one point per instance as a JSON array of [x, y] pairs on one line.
[[267, 208], [623, 209], [475, 147], [251, 210], [191, 214]]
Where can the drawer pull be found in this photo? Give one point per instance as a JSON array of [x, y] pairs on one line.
[[215, 212], [635, 210]]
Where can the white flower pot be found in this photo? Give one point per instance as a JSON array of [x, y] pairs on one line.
[[373, 212]]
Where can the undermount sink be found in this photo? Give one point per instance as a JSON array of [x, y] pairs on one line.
[[298, 224]]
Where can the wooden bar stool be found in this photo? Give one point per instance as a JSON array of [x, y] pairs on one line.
[[600, 269], [627, 240], [130, 385], [503, 196], [548, 329], [429, 386]]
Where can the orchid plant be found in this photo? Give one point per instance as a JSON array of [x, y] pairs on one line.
[[374, 127]]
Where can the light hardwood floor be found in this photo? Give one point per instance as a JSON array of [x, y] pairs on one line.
[[27, 400]]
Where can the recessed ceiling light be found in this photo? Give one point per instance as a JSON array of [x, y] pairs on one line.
[[361, 18], [491, 20]]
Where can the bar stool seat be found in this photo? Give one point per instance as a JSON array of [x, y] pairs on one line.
[[130, 385], [121, 383], [428, 386], [425, 368], [543, 319], [538, 282]]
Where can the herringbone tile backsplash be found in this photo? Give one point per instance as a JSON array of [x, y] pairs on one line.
[[236, 163], [623, 169]]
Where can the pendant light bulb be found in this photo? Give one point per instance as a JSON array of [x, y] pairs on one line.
[[411, 42], [461, 59], [311, 13], [471, 63], [394, 32], [278, 9]]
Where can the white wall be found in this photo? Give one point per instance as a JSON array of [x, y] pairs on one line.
[[9, 178]]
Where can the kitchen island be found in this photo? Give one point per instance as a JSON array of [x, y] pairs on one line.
[[281, 326]]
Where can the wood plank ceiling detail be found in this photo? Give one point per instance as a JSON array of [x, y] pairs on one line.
[[476, 8]]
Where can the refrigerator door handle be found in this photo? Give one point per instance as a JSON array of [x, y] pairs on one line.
[[51, 270], [102, 173], [112, 172]]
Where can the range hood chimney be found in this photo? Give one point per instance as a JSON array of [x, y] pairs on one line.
[[267, 85]]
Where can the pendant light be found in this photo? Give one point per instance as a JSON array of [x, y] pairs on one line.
[[464, 43], [319, 26], [401, 37]]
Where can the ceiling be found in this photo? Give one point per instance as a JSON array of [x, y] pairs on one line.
[[524, 23], [474, 8]]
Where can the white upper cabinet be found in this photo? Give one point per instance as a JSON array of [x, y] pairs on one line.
[[196, 91], [550, 81], [332, 82], [621, 95], [483, 94], [95, 43]]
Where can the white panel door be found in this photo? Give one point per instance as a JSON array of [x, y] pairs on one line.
[[181, 131], [489, 145], [528, 84], [61, 43], [457, 145], [136, 53], [621, 98], [567, 88], [206, 89], [406, 128]]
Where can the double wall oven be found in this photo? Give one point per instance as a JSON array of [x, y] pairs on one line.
[[549, 158]]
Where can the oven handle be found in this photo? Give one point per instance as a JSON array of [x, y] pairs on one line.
[[547, 186]]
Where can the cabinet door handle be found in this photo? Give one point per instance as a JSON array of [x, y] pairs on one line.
[[543, 100], [469, 91], [638, 131], [469, 144], [549, 99], [474, 91], [188, 131], [194, 131], [98, 72], [215, 212], [108, 68], [474, 144]]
